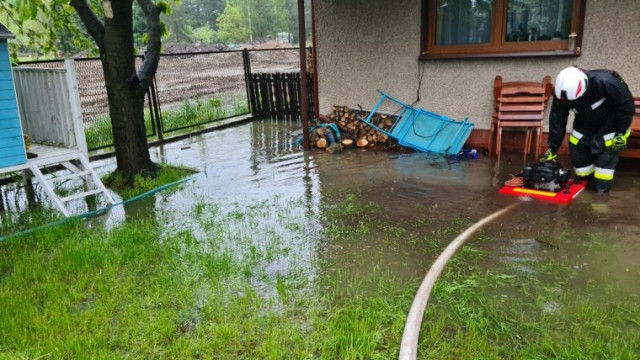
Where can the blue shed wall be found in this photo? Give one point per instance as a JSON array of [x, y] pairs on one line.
[[11, 140]]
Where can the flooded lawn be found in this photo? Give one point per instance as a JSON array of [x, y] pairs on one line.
[[274, 253]]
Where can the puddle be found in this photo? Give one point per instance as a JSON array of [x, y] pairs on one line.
[[261, 163]]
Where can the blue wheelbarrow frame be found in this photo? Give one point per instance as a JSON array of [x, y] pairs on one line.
[[423, 130]]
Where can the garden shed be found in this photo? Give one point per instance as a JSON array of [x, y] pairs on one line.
[[43, 105], [12, 150]]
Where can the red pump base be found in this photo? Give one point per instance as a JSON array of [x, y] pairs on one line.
[[564, 196]]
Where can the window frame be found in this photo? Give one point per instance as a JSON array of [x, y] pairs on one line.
[[498, 46]]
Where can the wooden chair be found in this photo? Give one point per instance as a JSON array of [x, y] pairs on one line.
[[634, 140], [521, 107], [523, 117]]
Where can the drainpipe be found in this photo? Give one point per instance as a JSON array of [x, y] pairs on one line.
[[304, 88], [316, 96]]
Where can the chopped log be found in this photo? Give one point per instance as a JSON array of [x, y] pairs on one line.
[[321, 144], [359, 133], [321, 131], [347, 142]]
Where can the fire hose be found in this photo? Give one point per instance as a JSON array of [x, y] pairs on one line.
[[409, 345]]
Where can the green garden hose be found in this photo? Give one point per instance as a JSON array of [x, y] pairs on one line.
[[95, 212]]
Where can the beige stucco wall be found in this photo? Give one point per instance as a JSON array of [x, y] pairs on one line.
[[364, 45]]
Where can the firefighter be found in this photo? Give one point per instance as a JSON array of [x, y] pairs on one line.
[[603, 107]]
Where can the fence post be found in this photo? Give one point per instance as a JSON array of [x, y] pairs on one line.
[[156, 108], [152, 115], [76, 106], [247, 76]]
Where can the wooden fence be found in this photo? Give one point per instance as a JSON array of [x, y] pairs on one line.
[[277, 94]]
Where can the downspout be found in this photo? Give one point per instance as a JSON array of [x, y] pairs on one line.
[[304, 86], [316, 96]]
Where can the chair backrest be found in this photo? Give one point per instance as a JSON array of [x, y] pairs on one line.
[[521, 105], [636, 102], [501, 88]]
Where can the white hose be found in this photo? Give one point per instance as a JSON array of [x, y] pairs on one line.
[[409, 346]]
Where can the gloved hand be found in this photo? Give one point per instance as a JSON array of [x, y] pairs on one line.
[[619, 143], [548, 156]]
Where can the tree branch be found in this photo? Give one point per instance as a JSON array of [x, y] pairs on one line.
[[152, 55], [94, 26]]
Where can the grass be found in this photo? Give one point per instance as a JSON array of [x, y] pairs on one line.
[[259, 281], [11, 222], [99, 134], [166, 174], [14, 222], [192, 113]]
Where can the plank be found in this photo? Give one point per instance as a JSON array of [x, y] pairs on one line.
[[9, 124], [12, 160], [9, 114], [8, 105], [532, 90], [7, 94], [9, 133], [11, 151], [630, 153], [516, 116], [518, 107], [6, 84], [5, 75], [521, 99]]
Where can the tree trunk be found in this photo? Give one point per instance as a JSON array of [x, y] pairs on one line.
[[126, 105]]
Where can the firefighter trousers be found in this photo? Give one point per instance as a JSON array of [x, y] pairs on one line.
[[595, 163]]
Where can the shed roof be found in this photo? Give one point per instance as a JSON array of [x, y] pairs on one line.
[[5, 33]]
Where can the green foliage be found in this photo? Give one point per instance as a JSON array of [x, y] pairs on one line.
[[98, 131], [164, 7], [244, 20], [203, 34], [194, 113], [233, 25], [45, 27], [51, 29]]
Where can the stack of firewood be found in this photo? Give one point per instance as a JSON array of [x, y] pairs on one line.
[[355, 131]]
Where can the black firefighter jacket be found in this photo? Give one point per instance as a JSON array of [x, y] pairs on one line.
[[605, 108]]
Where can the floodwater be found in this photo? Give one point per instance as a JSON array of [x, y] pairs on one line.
[[260, 161]]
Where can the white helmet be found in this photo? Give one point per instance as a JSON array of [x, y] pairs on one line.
[[571, 83]]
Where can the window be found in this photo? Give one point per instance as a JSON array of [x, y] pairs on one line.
[[501, 28]]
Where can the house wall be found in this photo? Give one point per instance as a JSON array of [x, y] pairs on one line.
[[11, 141], [364, 45]]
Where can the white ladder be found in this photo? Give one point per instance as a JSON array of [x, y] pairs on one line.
[[80, 170]]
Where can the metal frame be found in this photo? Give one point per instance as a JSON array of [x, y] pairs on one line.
[[408, 117]]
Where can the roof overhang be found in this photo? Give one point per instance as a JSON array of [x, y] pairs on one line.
[[5, 33]]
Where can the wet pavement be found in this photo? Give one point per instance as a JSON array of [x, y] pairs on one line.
[[260, 162]]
